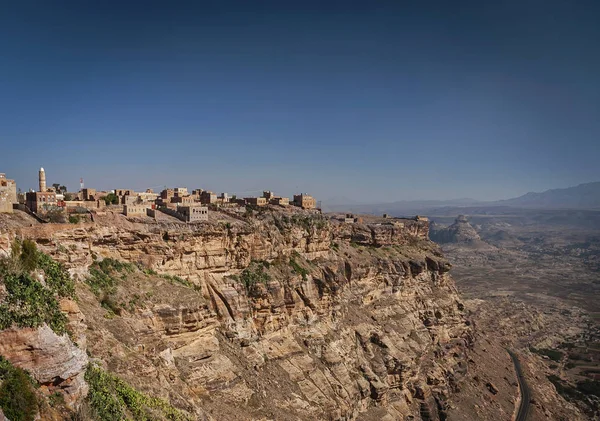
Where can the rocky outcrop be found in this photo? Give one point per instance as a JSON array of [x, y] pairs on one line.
[[54, 361], [461, 232]]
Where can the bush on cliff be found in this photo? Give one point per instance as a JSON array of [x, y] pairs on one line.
[[28, 302], [106, 274], [112, 399], [254, 274], [17, 395]]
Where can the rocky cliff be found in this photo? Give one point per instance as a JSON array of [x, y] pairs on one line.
[[283, 315]]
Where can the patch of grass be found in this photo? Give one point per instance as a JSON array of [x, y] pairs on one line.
[[115, 400], [73, 219], [335, 246], [17, 394]]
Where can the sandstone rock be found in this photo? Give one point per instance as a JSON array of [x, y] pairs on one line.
[[51, 359]]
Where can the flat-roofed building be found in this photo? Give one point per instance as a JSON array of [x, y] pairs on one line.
[[184, 200], [256, 201], [180, 191], [135, 209], [281, 201], [208, 197], [41, 201], [89, 194], [193, 213], [305, 201]]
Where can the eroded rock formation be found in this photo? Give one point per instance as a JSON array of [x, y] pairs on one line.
[[351, 322]]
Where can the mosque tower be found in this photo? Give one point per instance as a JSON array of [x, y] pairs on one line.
[[42, 180]]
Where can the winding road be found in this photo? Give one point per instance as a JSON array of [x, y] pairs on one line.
[[525, 392]]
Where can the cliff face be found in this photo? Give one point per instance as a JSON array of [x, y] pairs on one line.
[[286, 316]]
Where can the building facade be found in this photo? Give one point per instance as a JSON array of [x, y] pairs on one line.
[[135, 210], [8, 194], [41, 201], [193, 213], [305, 201], [208, 197], [256, 201]]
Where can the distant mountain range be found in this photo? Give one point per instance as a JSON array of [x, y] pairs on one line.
[[583, 196]]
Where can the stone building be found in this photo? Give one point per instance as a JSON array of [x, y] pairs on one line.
[[305, 201], [148, 196], [208, 197], [193, 213], [89, 194], [281, 201], [349, 218], [256, 201], [180, 192], [269, 195], [41, 201], [124, 192], [135, 210], [184, 200], [131, 200], [167, 194], [8, 194]]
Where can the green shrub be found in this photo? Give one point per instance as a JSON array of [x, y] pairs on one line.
[[73, 219], [56, 276], [30, 304], [17, 394], [115, 400], [29, 255], [254, 274], [111, 199]]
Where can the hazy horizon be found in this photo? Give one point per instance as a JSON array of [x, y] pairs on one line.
[[372, 102]]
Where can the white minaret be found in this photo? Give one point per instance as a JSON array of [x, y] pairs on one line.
[[42, 180]]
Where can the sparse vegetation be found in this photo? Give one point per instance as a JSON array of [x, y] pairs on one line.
[[298, 269], [254, 274], [181, 281], [113, 399], [17, 395], [29, 303], [73, 219], [106, 274]]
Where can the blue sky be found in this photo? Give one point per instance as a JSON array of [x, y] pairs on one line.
[[376, 101]]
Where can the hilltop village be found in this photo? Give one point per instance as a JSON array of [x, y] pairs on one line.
[[55, 204]]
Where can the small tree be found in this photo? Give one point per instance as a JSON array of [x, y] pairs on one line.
[[111, 199]]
